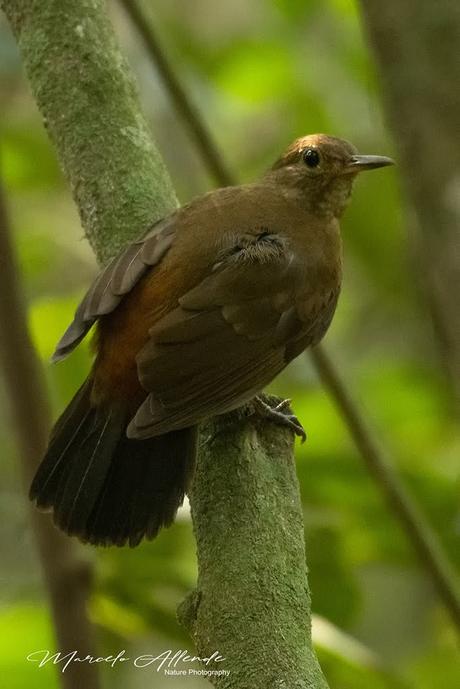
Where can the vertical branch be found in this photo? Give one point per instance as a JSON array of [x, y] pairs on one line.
[[67, 575]]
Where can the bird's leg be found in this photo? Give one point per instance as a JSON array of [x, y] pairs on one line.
[[280, 413]]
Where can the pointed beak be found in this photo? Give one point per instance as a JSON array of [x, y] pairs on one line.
[[363, 162]]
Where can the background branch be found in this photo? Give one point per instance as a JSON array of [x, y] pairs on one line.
[[67, 574], [420, 73], [402, 504], [196, 124], [85, 93]]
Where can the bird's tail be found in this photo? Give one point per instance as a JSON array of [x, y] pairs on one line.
[[108, 489]]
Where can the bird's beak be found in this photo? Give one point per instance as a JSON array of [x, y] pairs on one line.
[[358, 163]]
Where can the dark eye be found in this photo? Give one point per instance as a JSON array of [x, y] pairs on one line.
[[311, 157]]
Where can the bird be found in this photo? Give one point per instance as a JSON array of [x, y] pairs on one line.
[[193, 320]]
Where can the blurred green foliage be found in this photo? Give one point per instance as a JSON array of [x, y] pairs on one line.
[[24, 628], [262, 73]]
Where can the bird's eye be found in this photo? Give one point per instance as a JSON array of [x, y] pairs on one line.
[[311, 157]]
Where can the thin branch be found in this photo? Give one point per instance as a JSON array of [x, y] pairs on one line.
[[67, 575], [405, 508], [421, 535], [182, 102]]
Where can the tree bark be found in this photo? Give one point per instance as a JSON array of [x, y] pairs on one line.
[[416, 49], [86, 95], [252, 603]]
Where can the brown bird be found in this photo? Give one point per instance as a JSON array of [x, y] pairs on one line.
[[194, 320]]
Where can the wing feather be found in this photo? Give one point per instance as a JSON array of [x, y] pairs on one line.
[[224, 342], [115, 281]]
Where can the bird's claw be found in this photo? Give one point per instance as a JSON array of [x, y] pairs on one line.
[[280, 414]]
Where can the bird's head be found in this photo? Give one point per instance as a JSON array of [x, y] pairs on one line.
[[321, 170]]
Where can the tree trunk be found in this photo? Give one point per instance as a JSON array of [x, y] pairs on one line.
[[252, 601]]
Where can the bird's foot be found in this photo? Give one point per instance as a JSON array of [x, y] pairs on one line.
[[280, 413]]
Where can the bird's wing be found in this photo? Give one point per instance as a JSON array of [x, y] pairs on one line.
[[227, 338], [115, 281]]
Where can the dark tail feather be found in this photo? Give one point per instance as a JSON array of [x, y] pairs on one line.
[[66, 434], [145, 485], [108, 489]]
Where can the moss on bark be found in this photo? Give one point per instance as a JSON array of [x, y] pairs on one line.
[[252, 603], [87, 96]]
